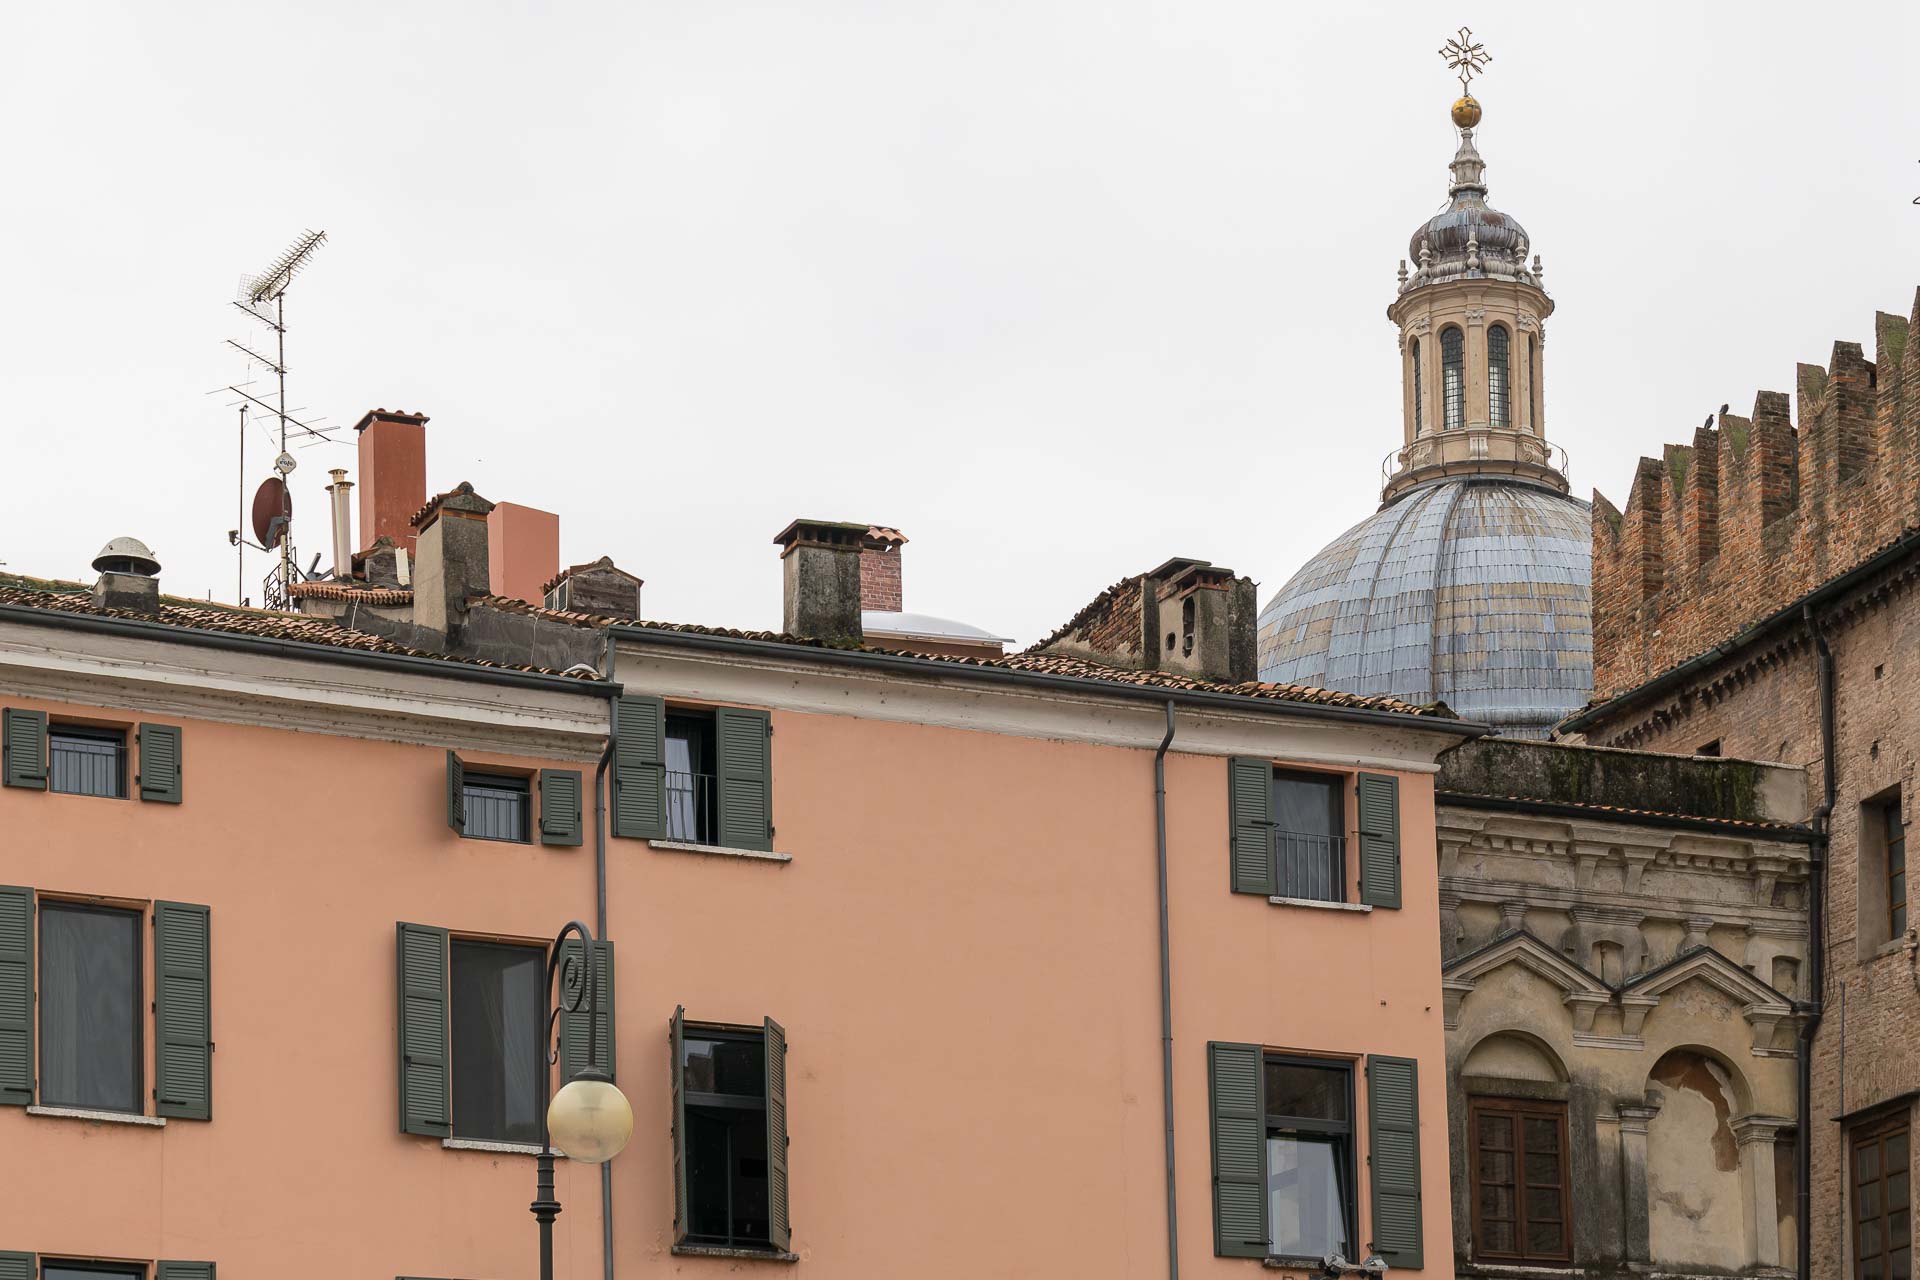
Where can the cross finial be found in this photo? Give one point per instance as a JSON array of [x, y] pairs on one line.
[[1466, 57]]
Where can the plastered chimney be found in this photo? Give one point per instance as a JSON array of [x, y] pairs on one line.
[[393, 474], [450, 567]]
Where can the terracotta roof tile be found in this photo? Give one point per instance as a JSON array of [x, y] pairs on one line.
[[462, 490], [1039, 663], [604, 562], [351, 591], [267, 624]]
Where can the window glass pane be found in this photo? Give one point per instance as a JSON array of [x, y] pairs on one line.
[[1543, 1134], [497, 1040], [1543, 1167], [1496, 1167], [1306, 1092], [1306, 1197], [1497, 1237], [1897, 1150], [731, 1066], [727, 1174], [1867, 1197], [1545, 1238], [1900, 1264], [1873, 1268], [1496, 1131], [1497, 374], [65, 1271], [1870, 1237], [496, 808], [1496, 1201], [90, 1014], [86, 762], [1452, 378]]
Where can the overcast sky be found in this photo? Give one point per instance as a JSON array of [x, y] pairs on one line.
[[1058, 289]]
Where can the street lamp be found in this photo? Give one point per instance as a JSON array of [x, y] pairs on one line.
[[589, 1117]]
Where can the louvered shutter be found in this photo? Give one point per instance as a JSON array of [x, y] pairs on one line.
[[1393, 1158], [746, 778], [424, 1106], [640, 768], [23, 741], [183, 1271], [779, 1228], [1235, 1085], [160, 763], [573, 1025], [677, 1072], [456, 793], [183, 1011], [1250, 811], [17, 1266], [1379, 840], [16, 996], [560, 806]]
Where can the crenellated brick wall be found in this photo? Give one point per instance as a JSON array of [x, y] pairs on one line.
[[1755, 512]]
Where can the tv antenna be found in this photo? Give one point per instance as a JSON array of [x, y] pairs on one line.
[[263, 298]]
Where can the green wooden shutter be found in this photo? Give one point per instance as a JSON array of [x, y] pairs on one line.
[[160, 763], [17, 1266], [16, 996], [183, 1271], [424, 1105], [745, 755], [640, 768], [456, 793], [560, 806], [1250, 810], [1393, 1158], [1235, 1086], [25, 746], [573, 1026], [183, 1011], [677, 1072], [779, 1228], [1380, 840]]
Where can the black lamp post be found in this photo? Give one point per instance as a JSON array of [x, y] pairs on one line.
[[589, 1116]]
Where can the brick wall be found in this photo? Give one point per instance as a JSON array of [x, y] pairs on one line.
[[1754, 512], [1763, 702], [880, 577]]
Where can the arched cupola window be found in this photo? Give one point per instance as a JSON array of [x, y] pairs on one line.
[[1453, 377], [1533, 381], [1499, 383], [1419, 392]]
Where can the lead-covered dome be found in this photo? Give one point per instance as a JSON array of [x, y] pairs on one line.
[[1469, 237], [1472, 592]]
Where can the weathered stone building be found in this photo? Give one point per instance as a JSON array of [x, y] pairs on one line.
[[1624, 939], [1756, 598]]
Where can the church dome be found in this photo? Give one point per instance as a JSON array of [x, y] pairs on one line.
[[1470, 591]]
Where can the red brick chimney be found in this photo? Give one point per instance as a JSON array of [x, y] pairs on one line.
[[880, 586], [393, 475]]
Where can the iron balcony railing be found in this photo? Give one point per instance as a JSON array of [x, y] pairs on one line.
[[1310, 866], [1481, 444], [690, 808]]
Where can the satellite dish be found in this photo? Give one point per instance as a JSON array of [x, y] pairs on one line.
[[272, 511]]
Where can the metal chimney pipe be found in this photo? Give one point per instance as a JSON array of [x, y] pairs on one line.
[[342, 524]]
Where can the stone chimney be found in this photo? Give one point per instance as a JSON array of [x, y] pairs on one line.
[[450, 563], [393, 474], [880, 586], [1186, 617], [600, 588], [129, 578], [820, 585]]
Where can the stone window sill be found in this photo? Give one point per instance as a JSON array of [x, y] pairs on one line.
[[1504, 1270], [726, 1251], [498, 1148], [107, 1117], [720, 851], [1364, 908]]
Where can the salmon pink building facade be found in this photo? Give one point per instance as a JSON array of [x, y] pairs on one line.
[[1099, 959]]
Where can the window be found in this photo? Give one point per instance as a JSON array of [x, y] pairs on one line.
[[690, 789], [1521, 1212], [1309, 818], [85, 761], [63, 1270], [1709, 748], [1453, 380], [1309, 1119], [496, 807], [90, 1007], [730, 1135], [497, 1040], [1419, 394], [1533, 380], [704, 777], [1882, 1196], [1499, 385], [1896, 846]]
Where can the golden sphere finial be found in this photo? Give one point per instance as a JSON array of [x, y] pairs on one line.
[[1466, 112]]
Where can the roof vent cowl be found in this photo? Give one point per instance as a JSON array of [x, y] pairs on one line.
[[129, 578]]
